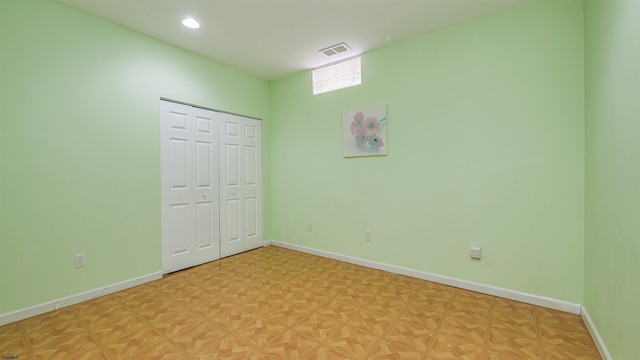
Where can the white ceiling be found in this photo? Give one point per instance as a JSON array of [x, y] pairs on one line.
[[275, 38]]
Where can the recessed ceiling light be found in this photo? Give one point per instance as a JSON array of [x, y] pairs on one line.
[[190, 23]]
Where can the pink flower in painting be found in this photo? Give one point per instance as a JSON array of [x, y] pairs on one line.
[[367, 130], [356, 124], [375, 142], [371, 126]]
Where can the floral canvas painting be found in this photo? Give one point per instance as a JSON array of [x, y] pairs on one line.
[[364, 131]]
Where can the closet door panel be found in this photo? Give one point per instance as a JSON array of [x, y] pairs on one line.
[[252, 183], [189, 186], [242, 184], [206, 194], [231, 190]]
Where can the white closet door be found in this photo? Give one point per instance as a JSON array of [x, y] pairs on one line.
[[189, 182], [241, 184], [252, 182], [206, 178]]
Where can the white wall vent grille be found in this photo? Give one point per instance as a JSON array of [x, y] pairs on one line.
[[335, 49]]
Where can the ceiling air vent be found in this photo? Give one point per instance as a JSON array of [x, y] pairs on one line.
[[335, 49]]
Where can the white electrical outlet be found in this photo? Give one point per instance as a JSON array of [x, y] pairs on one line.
[[367, 236], [309, 227], [79, 260], [474, 252]]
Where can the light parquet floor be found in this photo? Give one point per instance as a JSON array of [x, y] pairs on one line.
[[274, 303]]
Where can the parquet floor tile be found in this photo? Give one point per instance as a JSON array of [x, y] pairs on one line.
[[262, 333], [318, 326], [355, 297], [197, 337], [409, 336], [423, 320], [326, 286], [424, 307], [289, 314], [289, 344], [312, 299], [470, 297], [510, 345], [11, 341], [374, 318], [274, 303], [386, 349], [456, 346], [339, 308], [400, 291]]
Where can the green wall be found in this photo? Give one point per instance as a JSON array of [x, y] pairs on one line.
[[486, 147], [612, 233], [80, 146]]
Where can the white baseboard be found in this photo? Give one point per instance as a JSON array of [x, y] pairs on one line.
[[266, 243], [595, 335], [446, 280], [76, 298]]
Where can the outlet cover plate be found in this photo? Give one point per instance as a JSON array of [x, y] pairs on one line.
[[474, 252], [79, 260]]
